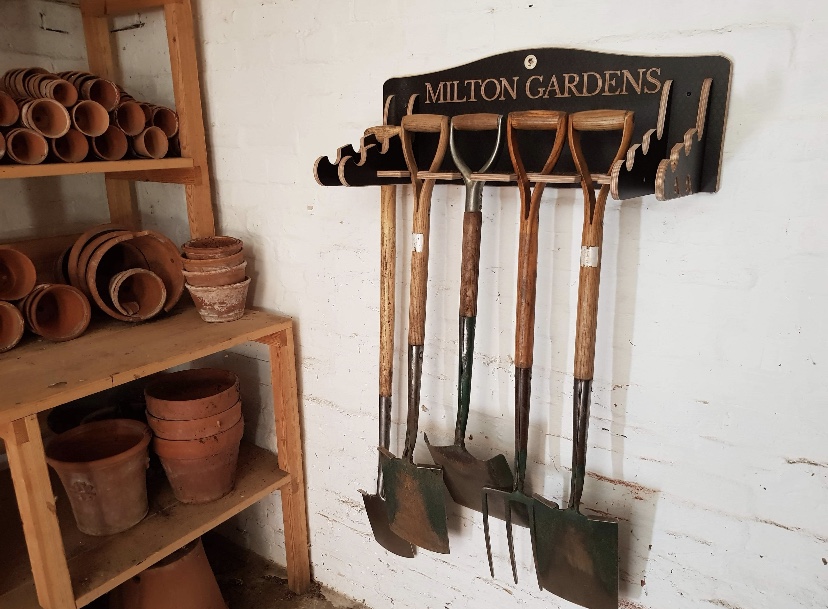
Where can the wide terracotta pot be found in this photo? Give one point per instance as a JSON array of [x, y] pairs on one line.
[[103, 466], [201, 470], [183, 580], [192, 394], [195, 429], [212, 247], [219, 277]]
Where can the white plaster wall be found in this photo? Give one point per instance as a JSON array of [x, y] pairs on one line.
[[708, 438]]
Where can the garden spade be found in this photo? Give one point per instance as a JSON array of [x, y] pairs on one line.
[[464, 475], [414, 494], [375, 504], [534, 120], [576, 556]]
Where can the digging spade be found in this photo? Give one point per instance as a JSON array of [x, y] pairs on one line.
[[414, 494], [464, 475], [525, 315], [375, 504], [576, 556]]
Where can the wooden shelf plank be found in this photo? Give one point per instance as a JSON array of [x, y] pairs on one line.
[[145, 166], [38, 374], [99, 564]]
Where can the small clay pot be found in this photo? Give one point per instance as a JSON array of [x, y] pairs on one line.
[[137, 293], [183, 580], [113, 256], [213, 264], [166, 119], [90, 118], [71, 148], [163, 260], [112, 145], [222, 303], [79, 273], [80, 243], [192, 394], [11, 326], [221, 277], [201, 470], [46, 116], [195, 429], [212, 247], [151, 143], [58, 312], [26, 146], [62, 267], [103, 467], [129, 117], [105, 92], [58, 89], [17, 274], [9, 111]]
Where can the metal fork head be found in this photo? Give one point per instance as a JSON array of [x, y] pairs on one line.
[[509, 498]]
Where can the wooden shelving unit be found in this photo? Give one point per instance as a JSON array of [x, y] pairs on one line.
[[66, 569]]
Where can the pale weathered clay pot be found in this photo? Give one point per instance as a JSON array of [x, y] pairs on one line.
[[213, 264], [222, 303], [220, 277], [195, 429], [192, 394], [201, 470], [103, 466], [212, 247], [17, 274], [11, 326], [183, 580]]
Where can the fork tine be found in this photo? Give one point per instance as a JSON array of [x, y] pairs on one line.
[[486, 531], [511, 539]]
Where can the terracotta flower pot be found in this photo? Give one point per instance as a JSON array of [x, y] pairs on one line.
[[129, 117], [58, 312], [212, 247], [166, 119], [11, 326], [195, 429], [61, 269], [162, 259], [151, 143], [17, 274], [90, 118], [71, 148], [9, 112], [220, 277], [26, 146], [221, 303], [192, 394], [183, 580], [46, 116], [102, 466], [113, 256], [201, 470], [105, 92], [80, 243], [213, 264], [137, 293], [79, 273], [2, 146], [112, 145]]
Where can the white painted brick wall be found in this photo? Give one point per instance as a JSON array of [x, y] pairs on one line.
[[708, 438]]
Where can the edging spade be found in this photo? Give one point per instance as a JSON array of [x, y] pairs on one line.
[[576, 556], [414, 493], [464, 475]]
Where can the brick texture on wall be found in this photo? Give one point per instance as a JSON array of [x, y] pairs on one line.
[[708, 438]]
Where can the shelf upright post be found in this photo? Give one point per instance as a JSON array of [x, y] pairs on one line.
[[36, 502]]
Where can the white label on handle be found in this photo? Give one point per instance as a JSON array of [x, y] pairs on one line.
[[590, 256], [418, 242]]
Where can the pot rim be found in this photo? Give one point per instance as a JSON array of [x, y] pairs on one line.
[[169, 449], [141, 444]]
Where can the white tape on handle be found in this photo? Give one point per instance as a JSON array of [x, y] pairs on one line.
[[418, 241], [590, 256]]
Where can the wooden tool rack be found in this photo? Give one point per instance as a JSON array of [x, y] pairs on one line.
[[66, 569]]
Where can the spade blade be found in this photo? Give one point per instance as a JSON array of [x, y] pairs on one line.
[[378, 516]]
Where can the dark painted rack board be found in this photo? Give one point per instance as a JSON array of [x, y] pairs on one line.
[[680, 106]]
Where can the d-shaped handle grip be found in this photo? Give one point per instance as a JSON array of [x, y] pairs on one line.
[[537, 120]]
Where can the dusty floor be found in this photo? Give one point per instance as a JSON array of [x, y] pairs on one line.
[[248, 581]]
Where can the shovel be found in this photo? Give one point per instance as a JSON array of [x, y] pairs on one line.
[[525, 315], [375, 504], [464, 475], [576, 556], [414, 494]]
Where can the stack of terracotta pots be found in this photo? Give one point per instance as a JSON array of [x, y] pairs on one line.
[[130, 276], [197, 421], [215, 271], [73, 113], [55, 312]]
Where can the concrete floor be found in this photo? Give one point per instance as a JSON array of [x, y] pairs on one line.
[[248, 581]]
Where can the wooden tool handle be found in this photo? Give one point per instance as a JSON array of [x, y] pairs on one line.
[[388, 258], [422, 218], [528, 240], [476, 122], [593, 230], [383, 132], [470, 263]]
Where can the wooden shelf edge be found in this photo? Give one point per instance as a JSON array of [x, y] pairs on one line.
[[144, 167], [99, 569]]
